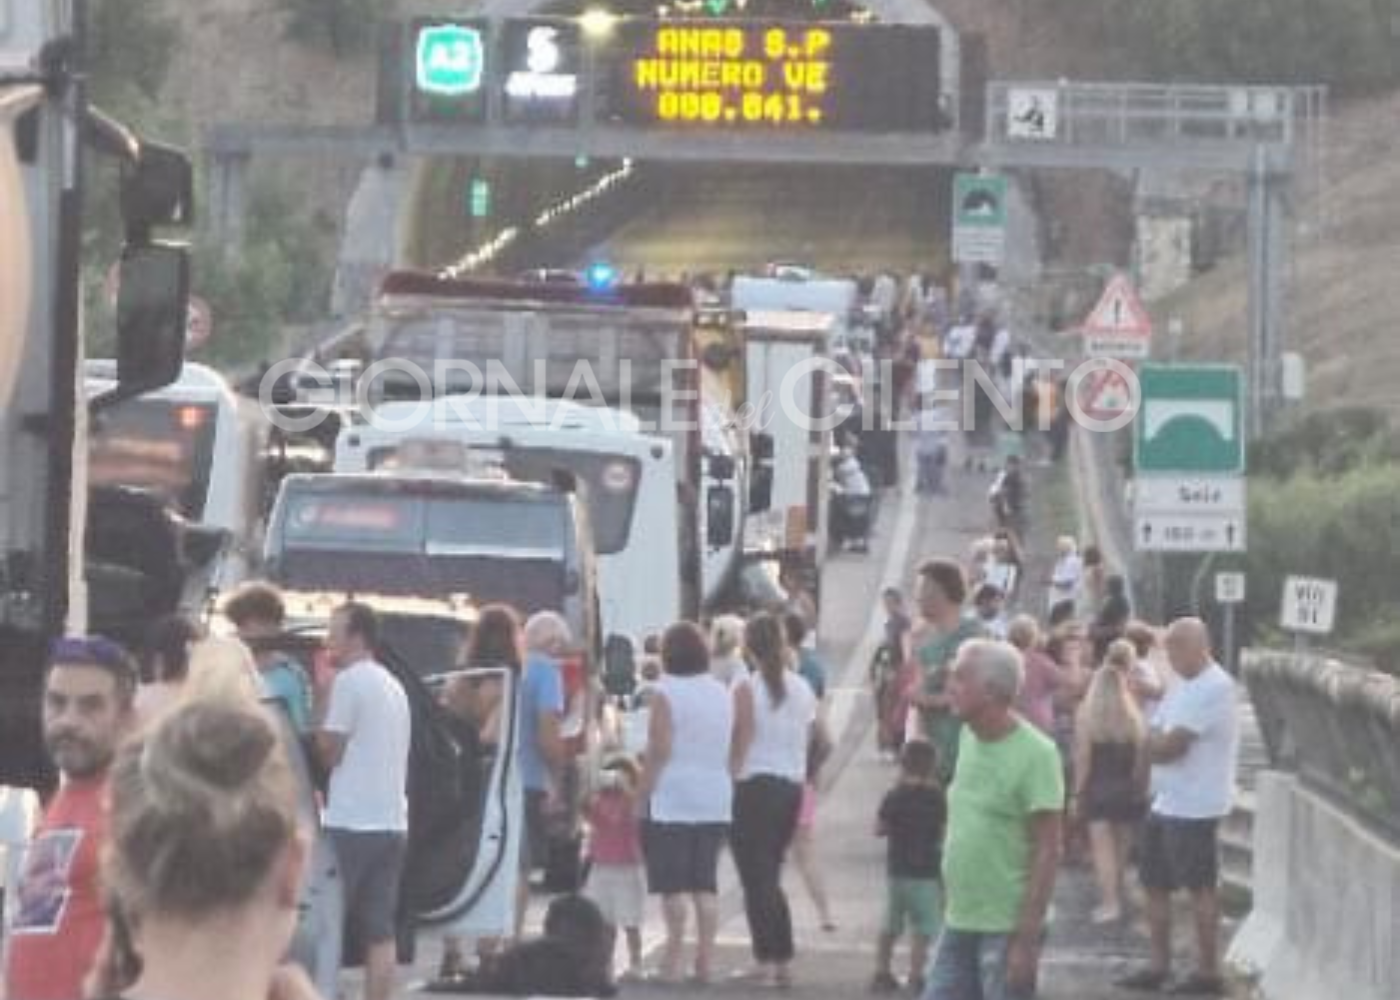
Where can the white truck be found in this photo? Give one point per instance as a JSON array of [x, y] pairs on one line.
[[838, 298], [787, 393]]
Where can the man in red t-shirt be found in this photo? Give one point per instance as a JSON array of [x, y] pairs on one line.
[[59, 918]]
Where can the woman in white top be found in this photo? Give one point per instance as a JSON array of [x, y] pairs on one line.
[[686, 775], [1065, 578], [774, 713]]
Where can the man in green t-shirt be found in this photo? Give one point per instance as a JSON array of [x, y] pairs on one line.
[[1003, 841]]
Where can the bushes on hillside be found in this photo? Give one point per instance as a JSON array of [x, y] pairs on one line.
[[344, 27], [1339, 526], [281, 277], [1328, 442], [1351, 45]]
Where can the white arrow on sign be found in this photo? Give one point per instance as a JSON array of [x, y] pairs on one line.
[[1188, 533]]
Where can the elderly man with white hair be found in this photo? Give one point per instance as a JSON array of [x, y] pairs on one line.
[[541, 752], [1003, 841]]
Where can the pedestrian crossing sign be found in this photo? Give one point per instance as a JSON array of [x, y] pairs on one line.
[[1119, 326]]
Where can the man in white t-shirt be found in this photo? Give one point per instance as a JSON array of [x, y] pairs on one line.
[[364, 743], [1194, 746]]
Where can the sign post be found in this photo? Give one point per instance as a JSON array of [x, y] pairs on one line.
[[979, 219], [1229, 594]]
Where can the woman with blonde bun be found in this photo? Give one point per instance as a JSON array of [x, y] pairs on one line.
[[204, 861]]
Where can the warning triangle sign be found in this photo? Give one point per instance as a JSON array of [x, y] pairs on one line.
[[1120, 313], [1119, 326]]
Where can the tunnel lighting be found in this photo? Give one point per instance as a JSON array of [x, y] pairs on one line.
[[597, 22]]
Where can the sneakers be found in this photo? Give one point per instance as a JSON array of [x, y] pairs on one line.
[[1152, 981], [1106, 915], [1143, 981], [884, 984]]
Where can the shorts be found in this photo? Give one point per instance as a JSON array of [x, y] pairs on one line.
[[807, 811], [534, 841], [619, 892], [915, 902], [683, 858], [371, 866], [1179, 854]]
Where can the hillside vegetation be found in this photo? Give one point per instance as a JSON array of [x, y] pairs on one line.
[[1343, 303]]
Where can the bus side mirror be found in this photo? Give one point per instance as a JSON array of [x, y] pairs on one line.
[[157, 191], [152, 306], [719, 516]]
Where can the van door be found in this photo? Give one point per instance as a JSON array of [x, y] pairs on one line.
[[465, 800]]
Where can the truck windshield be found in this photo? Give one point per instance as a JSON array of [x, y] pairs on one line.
[[158, 445], [562, 353]]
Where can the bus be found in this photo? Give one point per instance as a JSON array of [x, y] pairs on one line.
[[629, 478], [197, 446], [436, 536]]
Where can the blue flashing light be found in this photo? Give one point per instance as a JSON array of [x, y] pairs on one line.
[[601, 276]]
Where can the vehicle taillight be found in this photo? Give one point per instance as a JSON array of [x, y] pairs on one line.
[[189, 418]]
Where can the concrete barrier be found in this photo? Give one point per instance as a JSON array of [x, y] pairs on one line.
[[1326, 917], [1326, 868]]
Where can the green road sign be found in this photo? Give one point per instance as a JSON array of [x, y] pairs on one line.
[[451, 59], [479, 199], [979, 201], [1191, 420], [979, 218]]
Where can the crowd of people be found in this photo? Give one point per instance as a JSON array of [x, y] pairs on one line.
[[169, 862], [1015, 740], [1055, 733]]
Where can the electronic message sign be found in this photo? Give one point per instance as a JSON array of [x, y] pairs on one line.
[[539, 67], [745, 75]]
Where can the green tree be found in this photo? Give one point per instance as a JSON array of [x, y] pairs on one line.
[[131, 43], [280, 277]]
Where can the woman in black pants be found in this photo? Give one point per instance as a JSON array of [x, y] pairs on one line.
[[774, 713]]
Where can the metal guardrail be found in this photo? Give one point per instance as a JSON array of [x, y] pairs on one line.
[[1336, 725]]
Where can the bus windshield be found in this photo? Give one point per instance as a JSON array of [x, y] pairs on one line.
[[161, 446], [423, 546], [611, 480]]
